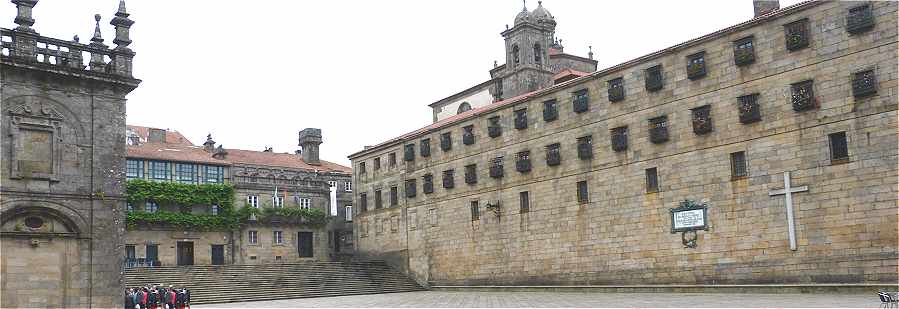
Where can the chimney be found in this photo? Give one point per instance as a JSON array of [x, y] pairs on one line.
[[763, 7], [156, 136], [268, 149], [209, 145], [310, 138]]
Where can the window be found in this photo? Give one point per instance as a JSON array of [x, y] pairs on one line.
[[391, 159], [864, 84], [797, 34], [253, 237], [550, 110], [744, 53], [738, 165], [278, 201], [616, 89], [582, 195], [129, 252], [538, 52], [427, 183], [581, 101], [839, 151], [554, 154], [652, 180], [494, 129], [378, 202], [214, 174], [515, 58], [278, 237], [348, 213], [524, 202], [361, 167], [471, 174], [749, 108], [377, 163], [160, 170], [585, 147], [803, 97], [363, 202], [214, 210], [696, 66], [468, 135], [129, 207], [409, 152], [134, 169], [394, 196], [446, 141], [448, 181], [151, 206], [496, 167], [619, 139], [304, 202], [498, 90], [523, 162], [653, 78], [348, 186], [332, 183], [410, 188], [521, 119], [464, 107], [425, 147], [253, 201], [187, 173], [860, 19], [475, 212], [658, 129], [702, 119]]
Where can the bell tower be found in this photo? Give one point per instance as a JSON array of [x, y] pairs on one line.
[[527, 52]]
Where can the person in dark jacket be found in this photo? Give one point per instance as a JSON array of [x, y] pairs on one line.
[[187, 298], [129, 301], [151, 300], [179, 300], [134, 297]]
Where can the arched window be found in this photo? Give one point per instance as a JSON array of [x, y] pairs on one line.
[[538, 52], [464, 107], [515, 54]]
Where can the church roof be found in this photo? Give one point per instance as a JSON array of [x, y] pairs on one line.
[[171, 136]]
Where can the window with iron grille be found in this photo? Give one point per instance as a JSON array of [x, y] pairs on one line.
[[471, 174], [468, 135], [653, 78], [652, 180], [582, 194], [448, 179], [160, 170], [524, 202], [585, 147], [427, 185], [554, 154], [702, 119], [424, 147], [410, 188], [494, 129], [391, 159], [839, 149], [475, 211], [394, 196], [658, 129], [581, 101], [860, 19], [134, 169], [521, 119], [446, 141], [619, 139], [363, 202], [409, 152], [377, 163], [803, 96], [797, 34], [496, 167], [696, 66], [750, 111], [738, 165], [864, 84], [744, 52], [378, 202], [616, 89], [523, 162], [550, 110]]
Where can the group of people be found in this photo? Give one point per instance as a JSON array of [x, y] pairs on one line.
[[157, 297]]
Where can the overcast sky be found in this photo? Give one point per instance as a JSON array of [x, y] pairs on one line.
[[255, 73]]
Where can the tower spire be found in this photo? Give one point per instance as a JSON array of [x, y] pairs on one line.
[[122, 27], [524, 7]]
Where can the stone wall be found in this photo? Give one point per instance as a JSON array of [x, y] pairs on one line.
[[846, 222], [167, 240]]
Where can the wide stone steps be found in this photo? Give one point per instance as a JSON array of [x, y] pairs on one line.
[[239, 283]]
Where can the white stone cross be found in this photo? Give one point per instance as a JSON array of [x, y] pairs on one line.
[[788, 192]]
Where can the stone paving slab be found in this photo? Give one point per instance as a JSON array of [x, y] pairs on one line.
[[442, 299]]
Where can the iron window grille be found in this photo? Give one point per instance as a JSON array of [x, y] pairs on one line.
[[523, 162], [616, 89], [554, 154], [653, 78], [468, 135], [619, 139], [424, 147], [581, 101], [860, 19], [427, 185], [696, 66], [658, 130], [864, 84], [394, 196], [803, 96], [839, 150], [582, 194], [496, 167], [750, 111], [524, 202], [702, 119], [378, 200], [494, 129], [475, 212], [738, 165], [585, 147], [797, 35], [744, 52], [446, 141], [471, 174], [521, 119], [652, 180], [449, 179], [550, 110], [410, 188]]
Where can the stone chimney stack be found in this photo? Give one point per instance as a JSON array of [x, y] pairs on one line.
[[310, 138], [762, 7], [209, 145]]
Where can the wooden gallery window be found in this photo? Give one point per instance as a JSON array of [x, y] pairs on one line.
[[616, 89], [658, 129], [749, 108], [744, 52], [410, 188], [471, 174], [468, 135], [521, 119], [524, 202], [860, 19], [652, 180], [585, 147], [554, 154], [803, 96], [738, 165], [619, 138], [424, 147], [409, 152], [475, 212], [523, 162], [696, 66], [797, 34], [702, 119], [427, 183], [446, 141], [839, 148], [580, 101], [550, 110], [653, 78], [494, 129], [448, 179], [582, 194], [864, 84], [496, 167]]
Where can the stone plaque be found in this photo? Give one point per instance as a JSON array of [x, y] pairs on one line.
[[36, 152], [689, 216]]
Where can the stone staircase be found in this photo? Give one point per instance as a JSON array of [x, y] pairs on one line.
[[240, 283]]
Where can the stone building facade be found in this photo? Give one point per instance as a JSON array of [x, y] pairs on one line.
[[577, 182], [62, 172], [262, 179]]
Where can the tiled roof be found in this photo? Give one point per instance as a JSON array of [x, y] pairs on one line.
[[173, 152], [171, 136], [287, 160], [569, 74]]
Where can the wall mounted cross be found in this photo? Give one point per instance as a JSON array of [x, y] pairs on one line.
[[788, 191]]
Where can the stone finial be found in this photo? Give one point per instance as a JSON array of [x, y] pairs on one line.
[[495, 64], [762, 7], [97, 37], [23, 16], [122, 27], [76, 39], [590, 54]]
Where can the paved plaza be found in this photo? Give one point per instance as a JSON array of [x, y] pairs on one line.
[[567, 299]]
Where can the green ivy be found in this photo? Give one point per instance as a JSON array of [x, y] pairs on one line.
[[139, 190], [184, 220]]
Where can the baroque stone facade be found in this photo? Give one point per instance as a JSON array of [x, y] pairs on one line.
[[62, 172], [574, 183]]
